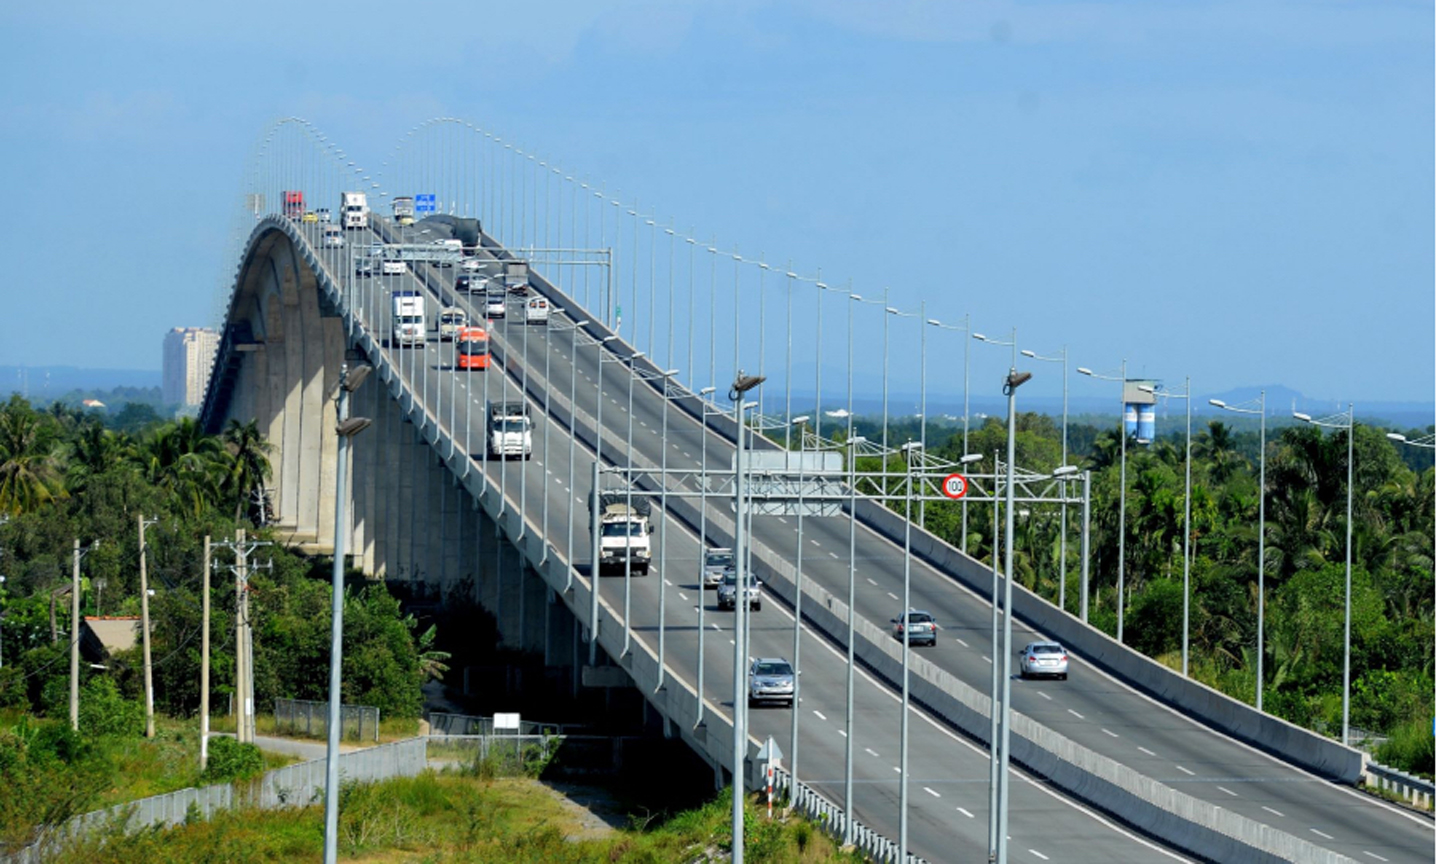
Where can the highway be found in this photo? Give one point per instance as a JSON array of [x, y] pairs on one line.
[[948, 775]]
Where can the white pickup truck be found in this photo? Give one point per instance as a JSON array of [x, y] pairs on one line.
[[509, 430], [624, 530]]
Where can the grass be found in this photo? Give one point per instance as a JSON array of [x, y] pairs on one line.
[[459, 817], [391, 729]]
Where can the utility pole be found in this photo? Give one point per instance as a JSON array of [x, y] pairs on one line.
[[145, 631], [205, 655], [244, 675], [75, 637]]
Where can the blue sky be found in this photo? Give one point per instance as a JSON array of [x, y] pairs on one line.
[[1243, 192]]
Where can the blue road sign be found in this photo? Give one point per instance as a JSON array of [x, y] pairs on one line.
[[425, 203]]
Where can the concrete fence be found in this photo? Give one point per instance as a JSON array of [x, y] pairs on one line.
[[312, 719]]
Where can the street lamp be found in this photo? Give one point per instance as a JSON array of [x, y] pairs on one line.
[[1124, 482], [346, 428], [1424, 441], [798, 422], [852, 442], [1348, 424], [743, 384], [1012, 383], [1064, 361], [1260, 568], [1185, 626]]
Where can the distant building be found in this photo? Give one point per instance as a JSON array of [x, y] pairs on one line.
[[92, 403], [189, 353]]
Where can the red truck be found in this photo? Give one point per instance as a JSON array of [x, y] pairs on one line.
[[294, 204]]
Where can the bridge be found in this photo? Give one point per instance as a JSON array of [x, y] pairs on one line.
[[1124, 761]]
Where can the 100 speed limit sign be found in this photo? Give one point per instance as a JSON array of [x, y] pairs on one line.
[[954, 486]]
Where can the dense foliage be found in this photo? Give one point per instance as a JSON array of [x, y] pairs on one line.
[[66, 474], [1392, 580]]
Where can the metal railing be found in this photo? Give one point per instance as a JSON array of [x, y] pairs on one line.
[[312, 719], [831, 818], [1416, 790], [442, 723]]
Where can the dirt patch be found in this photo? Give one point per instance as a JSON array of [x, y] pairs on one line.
[[593, 807]]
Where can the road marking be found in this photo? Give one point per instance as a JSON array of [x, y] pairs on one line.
[[963, 642], [1076, 713], [871, 752], [966, 812], [814, 542], [1226, 791], [780, 520], [1040, 856], [717, 627], [833, 555], [988, 660], [1186, 770], [687, 454], [818, 714], [872, 581], [892, 595], [1373, 855], [1321, 833], [1042, 694], [668, 582], [732, 641], [1146, 752], [931, 791], [1108, 732], [1273, 810], [682, 595], [842, 733], [897, 768]]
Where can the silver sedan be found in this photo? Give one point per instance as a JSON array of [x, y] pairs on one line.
[[1044, 659]]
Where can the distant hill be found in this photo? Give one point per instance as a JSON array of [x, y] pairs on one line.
[[46, 383]]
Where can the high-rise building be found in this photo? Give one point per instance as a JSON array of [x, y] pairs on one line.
[[189, 353]]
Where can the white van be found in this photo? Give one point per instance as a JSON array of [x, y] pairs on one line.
[[392, 268], [537, 310], [334, 236]]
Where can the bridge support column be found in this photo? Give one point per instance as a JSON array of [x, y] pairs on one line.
[[365, 450], [406, 451], [330, 351], [313, 417]]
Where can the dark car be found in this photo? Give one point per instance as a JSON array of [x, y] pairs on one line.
[[921, 629]]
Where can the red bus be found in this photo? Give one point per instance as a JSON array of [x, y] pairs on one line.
[[472, 348], [294, 204]]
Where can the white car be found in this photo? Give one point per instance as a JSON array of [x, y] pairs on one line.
[[471, 265], [1044, 658], [494, 304], [537, 310], [392, 268], [718, 562]]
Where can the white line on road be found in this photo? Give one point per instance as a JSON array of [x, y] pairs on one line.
[[682, 595], [815, 542], [931, 791], [668, 582], [1042, 694], [1373, 855], [892, 595], [1108, 732], [818, 714], [897, 768], [871, 752], [1321, 833], [1146, 752], [963, 642], [842, 733], [1076, 713], [1186, 770], [717, 627], [966, 812], [872, 581], [1273, 810], [1040, 856], [988, 660], [1226, 791], [833, 555]]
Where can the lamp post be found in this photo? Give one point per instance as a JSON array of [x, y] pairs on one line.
[[1012, 383], [346, 427], [1426, 442], [143, 523], [705, 412], [743, 384], [1260, 568], [1124, 482], [1064, 361], [852, 442], [799, 593], [1185, 617], [965, 433], [1334, 421], [595, 491]]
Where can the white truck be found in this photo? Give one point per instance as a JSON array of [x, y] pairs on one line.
[[404, 209], [407, 318], [354, 210], [624, 528], [509, 430]]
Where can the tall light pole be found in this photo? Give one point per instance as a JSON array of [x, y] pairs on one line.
[[1012, 383], [1426, 442], [346, 427], [142, 522], [78, 553], [1124, 483], [965, 429], [743, 384], [1334, 422], [1064, 361], [1185, 617], [910, 451], [1260, 568], [798, 422]]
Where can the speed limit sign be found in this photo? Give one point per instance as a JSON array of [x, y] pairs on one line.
[[954, 486]]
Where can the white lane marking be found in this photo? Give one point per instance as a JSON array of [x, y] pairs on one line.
[[897, 768], [732, 641], [988, 660], [1186, 770], [1039, 855], [1373, 855], [892, 595], [966, 812], [931, 791], [1076, 713], [842, 733], [1321, 833], [682, 595], [833, 555], [1273, 810], [1043, 695], [1226, 791], [872, 581], [1108, 732], [1146, 752], [668, 582], [780, 520], [815, 542], [687, 454], [871, 752], [963, 642], [717, 627], [818, 714]]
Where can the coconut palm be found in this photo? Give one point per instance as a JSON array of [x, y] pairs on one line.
[[249, 467], [30, 462]]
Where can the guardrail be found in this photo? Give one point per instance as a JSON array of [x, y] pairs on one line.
[[831, 818], [442, 723], [1416, 790], [313, 719]]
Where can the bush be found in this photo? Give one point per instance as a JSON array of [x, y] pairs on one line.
[[1411, 748], [103, 711], [230, 760]]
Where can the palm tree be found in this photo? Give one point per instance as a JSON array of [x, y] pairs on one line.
[[181, 458], [249, 467], [29, 458]]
